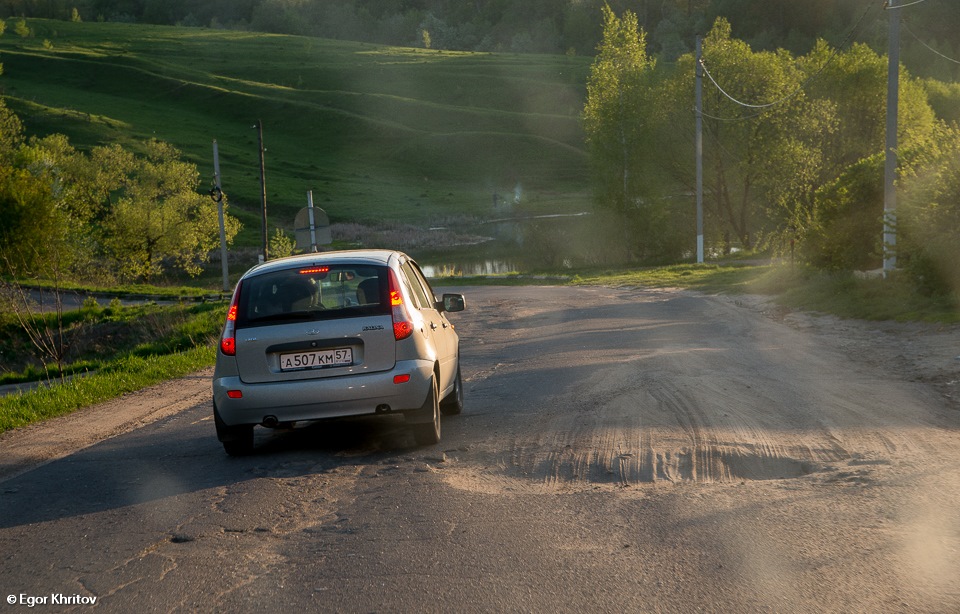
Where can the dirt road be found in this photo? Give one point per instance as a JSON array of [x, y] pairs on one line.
[[621, 450]]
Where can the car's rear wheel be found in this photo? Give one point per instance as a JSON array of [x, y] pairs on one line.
[[428, 433], [237, 440], [453, 403], [243, 445]]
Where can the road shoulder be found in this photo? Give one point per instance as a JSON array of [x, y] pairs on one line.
[[29, 447]]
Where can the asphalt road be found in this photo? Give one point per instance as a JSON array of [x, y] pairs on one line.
[[620, 451]]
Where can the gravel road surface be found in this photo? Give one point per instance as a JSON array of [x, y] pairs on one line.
[[620, 450]]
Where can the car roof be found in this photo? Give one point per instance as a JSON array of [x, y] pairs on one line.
[[354, 256]]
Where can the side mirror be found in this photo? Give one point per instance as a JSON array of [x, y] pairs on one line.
[[453, 302]]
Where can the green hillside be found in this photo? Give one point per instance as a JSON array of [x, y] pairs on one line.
[[375, 132]]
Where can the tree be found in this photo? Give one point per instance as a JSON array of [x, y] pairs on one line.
[[11, 133], [22, 29], [846, 227], [140, 215], [79, 188], [844, 234], [615, 112], [928, 218], [281, 244], [855, 81], [763, 138], [25, 202], [158, 220], [28, 224], [617, 120]]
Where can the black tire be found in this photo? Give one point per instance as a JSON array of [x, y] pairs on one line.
[[428, 433], [243, 445], [236, 440], [453, 403]]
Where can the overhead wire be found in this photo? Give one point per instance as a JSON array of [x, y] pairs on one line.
[[929, 48], [762, 107], [887, 7]]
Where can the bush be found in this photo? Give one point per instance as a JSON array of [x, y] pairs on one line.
[[929, 219], [847, 232]]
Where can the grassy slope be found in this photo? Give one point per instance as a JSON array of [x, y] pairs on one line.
[[374, 131]]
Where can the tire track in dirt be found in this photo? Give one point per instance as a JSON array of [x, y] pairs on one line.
[[624, 388]]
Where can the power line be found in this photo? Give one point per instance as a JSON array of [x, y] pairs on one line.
[[917, 38], [887, 7], [762, 107], [746, 104]]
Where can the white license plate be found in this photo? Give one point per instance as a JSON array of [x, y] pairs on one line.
[[316, 358]]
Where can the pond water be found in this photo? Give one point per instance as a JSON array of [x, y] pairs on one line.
[[513, 245], [469, 268]]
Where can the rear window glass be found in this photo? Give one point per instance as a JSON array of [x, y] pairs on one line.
[[314, 292]]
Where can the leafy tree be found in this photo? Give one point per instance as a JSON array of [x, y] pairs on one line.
[[617, 115], [22, 29], [21, 199], [928, 214], [763, 138], [280, 16], [281, 244], [74, 211], [28, 224], [855, 81], [944, 98], [79, 193], [580, 30], [11, 133], [158, 219], [846, 228], [844, 233]]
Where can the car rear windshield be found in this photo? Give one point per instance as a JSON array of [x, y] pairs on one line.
[[316, 292]]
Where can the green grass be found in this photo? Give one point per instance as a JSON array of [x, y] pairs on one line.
[[128, 375], [710, 278], [95, 338], [375, 132], [846, 296], [111, 351], [798, 287], [126, 291]]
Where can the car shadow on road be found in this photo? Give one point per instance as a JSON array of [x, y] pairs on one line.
[[347, 437], [179, 457]]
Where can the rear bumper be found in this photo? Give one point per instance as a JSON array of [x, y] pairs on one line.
[[335, 397]]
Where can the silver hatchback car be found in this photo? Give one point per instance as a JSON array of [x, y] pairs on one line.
[[336, 334]]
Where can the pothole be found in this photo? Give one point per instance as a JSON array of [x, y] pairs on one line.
[[575, 469], [763, 467], [708, 464]]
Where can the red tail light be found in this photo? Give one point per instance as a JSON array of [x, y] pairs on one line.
[[228, 341], [402, 326], [315, 270]]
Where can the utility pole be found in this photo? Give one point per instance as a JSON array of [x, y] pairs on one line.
[[313, 222], [217, 194], [623, 142], [263, 192], [699, 147], [890, 163]]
